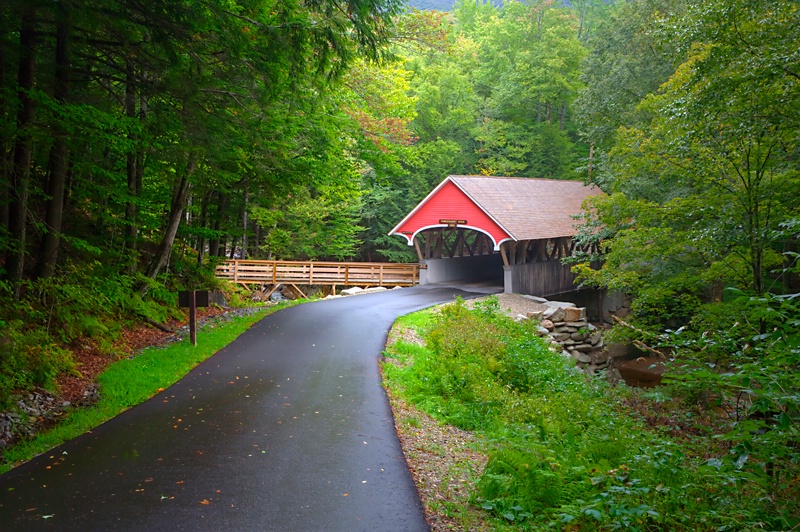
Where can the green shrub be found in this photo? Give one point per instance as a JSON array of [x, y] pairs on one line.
[[29, 359]]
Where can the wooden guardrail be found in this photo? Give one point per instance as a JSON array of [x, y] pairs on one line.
[[318, 273]]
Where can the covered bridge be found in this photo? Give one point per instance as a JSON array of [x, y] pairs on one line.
[[512, 230]]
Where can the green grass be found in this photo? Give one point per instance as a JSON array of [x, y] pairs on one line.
[[132, 381], [565, 452]]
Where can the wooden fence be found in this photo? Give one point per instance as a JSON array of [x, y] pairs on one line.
[[275, 272]]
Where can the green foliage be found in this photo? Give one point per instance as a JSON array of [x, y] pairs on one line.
[[29, 359], [567, 452]]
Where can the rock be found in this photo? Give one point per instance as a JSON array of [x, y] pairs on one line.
[[598, 345], [535, 298], [565, 329], [583, 358], [577, 324], [277, 296], [352, 291], [583, 348], [575, 313], [541, 331], [547, 324], [520, 317], [536, 315], [578, 336], [554, 314], [560, 337], [565, 353], [613, 376], [559, 304], [595, 338]]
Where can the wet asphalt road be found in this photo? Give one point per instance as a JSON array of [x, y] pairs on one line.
[[287, 428]]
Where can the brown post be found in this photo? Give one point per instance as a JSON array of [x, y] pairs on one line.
[[193, 316]]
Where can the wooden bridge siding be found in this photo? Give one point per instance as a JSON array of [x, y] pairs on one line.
[[319, 273], [541, 279]]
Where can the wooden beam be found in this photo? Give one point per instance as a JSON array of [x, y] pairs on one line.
[[419, 251], [504, 254]]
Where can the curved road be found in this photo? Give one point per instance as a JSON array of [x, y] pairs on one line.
[[287, 428]]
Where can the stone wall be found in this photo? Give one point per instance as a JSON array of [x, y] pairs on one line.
[[566, 327]]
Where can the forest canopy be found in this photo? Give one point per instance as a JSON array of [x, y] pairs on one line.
[[142, 142]]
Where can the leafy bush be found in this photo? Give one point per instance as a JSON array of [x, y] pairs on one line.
[[567, 452], [29, 359]]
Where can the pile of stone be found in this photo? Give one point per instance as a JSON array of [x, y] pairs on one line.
[[36, 408], [566, 326]]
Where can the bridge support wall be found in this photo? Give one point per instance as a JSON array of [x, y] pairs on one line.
[[541, 279], [477, 268]]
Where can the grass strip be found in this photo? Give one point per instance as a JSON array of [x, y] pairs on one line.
[[131, 381]]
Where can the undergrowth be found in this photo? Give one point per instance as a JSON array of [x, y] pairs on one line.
[[92, 302], [564, 453]]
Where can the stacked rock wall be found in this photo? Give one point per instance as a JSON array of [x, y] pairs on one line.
[[568, 328]]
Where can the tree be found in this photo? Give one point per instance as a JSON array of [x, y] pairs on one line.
[[706, 183]]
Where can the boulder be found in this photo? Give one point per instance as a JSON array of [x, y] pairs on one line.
[[575, 313], [547, 324], [578, 336], [554, 314], [559, 304], [536, 315]]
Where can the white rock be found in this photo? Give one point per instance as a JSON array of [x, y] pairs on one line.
[[559, 304], [352, 291], [535, 298]]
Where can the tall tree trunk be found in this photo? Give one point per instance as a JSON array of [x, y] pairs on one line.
[[131, 228], [244, 226], [48, 252], [257, 241], [5, 148], [23, 150], [216, 247], [175, 215], [201, 241]]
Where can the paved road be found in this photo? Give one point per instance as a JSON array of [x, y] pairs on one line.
[[288, 428]]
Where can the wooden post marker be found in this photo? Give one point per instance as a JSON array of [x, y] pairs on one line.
[[194, 299]]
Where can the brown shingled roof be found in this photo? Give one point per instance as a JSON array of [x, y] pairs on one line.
[[528, 208]]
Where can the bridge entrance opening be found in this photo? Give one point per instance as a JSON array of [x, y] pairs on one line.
[[458, 254]]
